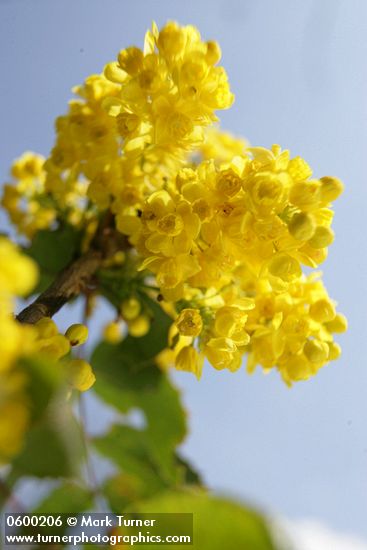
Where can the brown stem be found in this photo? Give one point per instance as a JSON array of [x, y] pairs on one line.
[[74, 277], [67, 284]]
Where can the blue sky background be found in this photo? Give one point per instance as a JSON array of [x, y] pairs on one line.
[[299, 72]]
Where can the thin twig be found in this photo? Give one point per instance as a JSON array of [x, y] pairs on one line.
[[71, 281], [68, 284]]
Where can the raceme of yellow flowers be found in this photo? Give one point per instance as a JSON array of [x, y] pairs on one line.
[[222, 229], [18, 275]]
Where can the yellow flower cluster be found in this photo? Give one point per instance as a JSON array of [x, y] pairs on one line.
[[294, 329], [129, 130], [260, 210], [18, 275], [221, 228], [291, 330], [242, 230], [34, 200], [169, 92], [25, 199]]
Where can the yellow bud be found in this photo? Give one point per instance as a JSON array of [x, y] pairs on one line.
[[77, 334], [131, 60], [284, 266], [338, 324], [316, 351], [46, 327], [171, 40], [213, 52], [130, 309], [295, 369], [334, 351], [330, 190], [302, 226], [119, 258], [114, 73], [56, 346], [80, 375], [189, 322], [322, 311], [139, 327], [189, 360], [112, 333], [322, 237]]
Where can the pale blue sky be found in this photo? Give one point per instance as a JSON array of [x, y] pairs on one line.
[[299, 72]]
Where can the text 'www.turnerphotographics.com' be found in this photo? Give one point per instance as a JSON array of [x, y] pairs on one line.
[[112, 529]]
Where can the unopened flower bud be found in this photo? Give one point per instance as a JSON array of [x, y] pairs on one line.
[[80, 374], [77, 334]]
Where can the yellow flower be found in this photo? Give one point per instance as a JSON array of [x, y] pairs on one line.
[[190, 360], [189, 322], [285, 267], [222, 353], [230, 322]]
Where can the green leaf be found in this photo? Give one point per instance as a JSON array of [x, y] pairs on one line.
[[129, 450], [53, 444], [45, 378], [68, 498], [128, 378], [218, 523], [166, 421], [125, 370], [53, 250], [52, 447], [152, 393]]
